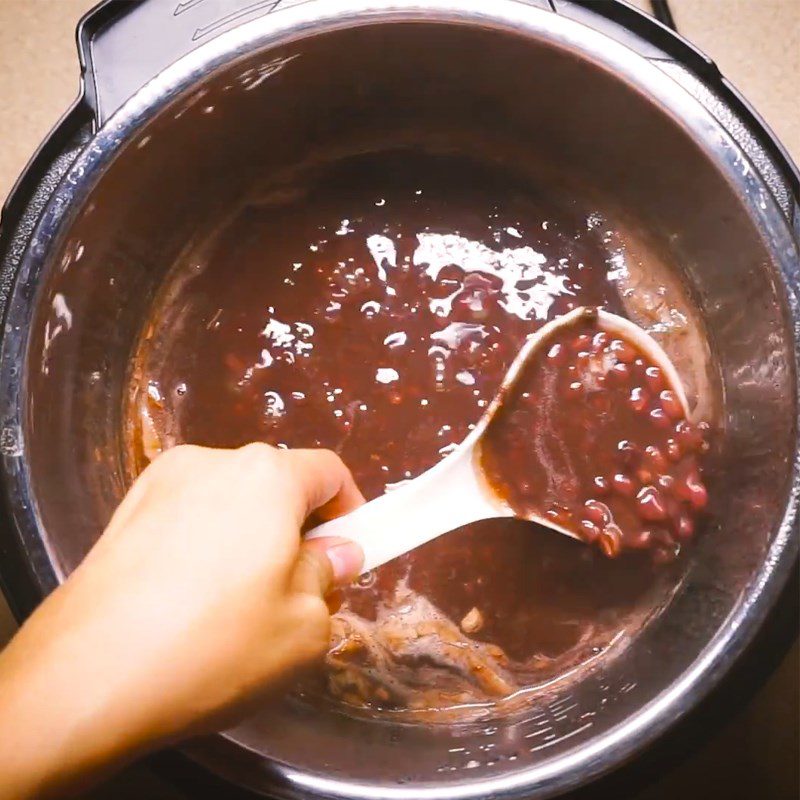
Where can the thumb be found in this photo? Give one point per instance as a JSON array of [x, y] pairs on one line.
[[325, 564]]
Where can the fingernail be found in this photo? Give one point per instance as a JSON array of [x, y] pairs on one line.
[[346, 559]]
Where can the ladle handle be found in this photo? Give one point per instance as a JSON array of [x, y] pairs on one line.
[[440, 500]]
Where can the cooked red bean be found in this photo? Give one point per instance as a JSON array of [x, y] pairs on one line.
[[628, 452], [671, 405], [674, 450], [666, 482], [581, 342], [620, 373], [623, 484], [611, 540], [557, 353], [638, 399], [597, 512], [655, 458], [692, 489], [601, 484], [589, 531], [654, 379], [651, 504], [659, 418], [624, 351]]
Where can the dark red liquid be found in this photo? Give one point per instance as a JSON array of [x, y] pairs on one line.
[[378, 321], [594, 438], [374, 308]]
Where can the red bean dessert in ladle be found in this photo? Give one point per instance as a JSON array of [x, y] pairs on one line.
[[593, 438]]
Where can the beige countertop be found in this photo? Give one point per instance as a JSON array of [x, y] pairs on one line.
[[756, 43]]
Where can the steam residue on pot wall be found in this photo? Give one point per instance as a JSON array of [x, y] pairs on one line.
[[372, 307]]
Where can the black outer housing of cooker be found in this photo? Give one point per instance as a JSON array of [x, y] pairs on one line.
[[25, 572]]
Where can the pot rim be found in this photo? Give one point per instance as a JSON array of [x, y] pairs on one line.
[[300, 21]]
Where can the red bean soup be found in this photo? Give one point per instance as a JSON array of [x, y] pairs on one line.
[[372, 305]]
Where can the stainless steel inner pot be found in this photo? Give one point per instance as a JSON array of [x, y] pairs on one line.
[[492, 78]]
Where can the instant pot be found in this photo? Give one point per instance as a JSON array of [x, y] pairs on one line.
[[184, 101]]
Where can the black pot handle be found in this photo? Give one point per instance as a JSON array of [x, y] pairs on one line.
[[124, 43]]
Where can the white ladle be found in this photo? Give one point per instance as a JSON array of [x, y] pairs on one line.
[[455, 492]]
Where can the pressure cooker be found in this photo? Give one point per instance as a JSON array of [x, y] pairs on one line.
[[183, 101]]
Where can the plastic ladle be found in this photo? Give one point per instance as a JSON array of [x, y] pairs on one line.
[[455, 492]]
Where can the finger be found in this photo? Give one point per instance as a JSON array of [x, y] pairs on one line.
[[325, 564], [327, 486], [158, 477]]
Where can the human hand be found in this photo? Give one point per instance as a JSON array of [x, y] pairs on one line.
[[197, 599]]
